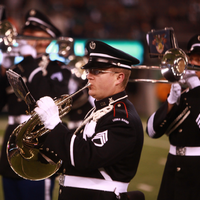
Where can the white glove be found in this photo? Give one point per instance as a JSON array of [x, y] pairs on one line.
[[48, 112], [175, 93], [7, 60], [191, 79], [26, 49]]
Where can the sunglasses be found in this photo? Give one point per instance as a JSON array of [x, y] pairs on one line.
[[97, 71]]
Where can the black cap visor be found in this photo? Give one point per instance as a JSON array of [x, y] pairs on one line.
[[97, 65], [195, 50]]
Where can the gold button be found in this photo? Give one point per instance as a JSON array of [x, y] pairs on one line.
[[47, 149], [119, 105], [64, 170], [180, 130], [178, 169], [79, 111], [60, 191]]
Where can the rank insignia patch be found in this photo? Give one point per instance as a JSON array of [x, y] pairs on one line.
[[100, 138]]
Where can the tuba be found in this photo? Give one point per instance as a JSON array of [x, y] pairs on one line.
[[24, 149]]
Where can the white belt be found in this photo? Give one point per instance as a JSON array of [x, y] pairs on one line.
[[17, 119], [93, 184], [184, 151]]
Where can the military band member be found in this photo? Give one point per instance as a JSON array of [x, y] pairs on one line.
[[101, 157], [179, 119], [43, 77]]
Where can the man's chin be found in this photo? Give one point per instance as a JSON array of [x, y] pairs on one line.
[[91, 93]]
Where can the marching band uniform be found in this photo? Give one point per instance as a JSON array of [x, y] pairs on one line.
[[101, 157], [43, 77], [181, 175], [104, 136], [181, 178]]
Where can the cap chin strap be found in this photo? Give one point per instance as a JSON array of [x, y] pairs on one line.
[[105, 56]]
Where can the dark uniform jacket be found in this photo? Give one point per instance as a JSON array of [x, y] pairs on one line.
[[181, 178], [42, 77], [111, 142]]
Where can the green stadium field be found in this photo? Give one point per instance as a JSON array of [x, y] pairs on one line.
[[149, 172]]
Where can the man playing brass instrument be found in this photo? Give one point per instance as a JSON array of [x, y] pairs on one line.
[[101, 157], [179, 119]]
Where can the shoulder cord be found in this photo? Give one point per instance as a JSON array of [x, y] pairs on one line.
[[42, 67], [95, 116]]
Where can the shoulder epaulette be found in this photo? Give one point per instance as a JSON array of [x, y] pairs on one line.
[[119, 105]]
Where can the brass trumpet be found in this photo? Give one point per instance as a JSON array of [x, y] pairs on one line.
[[24, 152]]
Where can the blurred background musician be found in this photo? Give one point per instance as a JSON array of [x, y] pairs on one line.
[[179, 118], [43, 77]]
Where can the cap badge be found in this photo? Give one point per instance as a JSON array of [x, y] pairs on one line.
[[32, 12], [198, 37], [92, 45]]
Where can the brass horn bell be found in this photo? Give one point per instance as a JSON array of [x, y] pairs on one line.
[[173, 64], [25, 154], [7, 36]]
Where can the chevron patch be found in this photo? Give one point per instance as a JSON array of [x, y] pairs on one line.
[[198, 120], [100, 138]]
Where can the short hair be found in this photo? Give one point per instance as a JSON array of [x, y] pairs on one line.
[[127, 74]]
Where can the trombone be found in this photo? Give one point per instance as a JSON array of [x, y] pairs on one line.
[[9, 38], [173, 66], [173, 63], [64, 47]]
